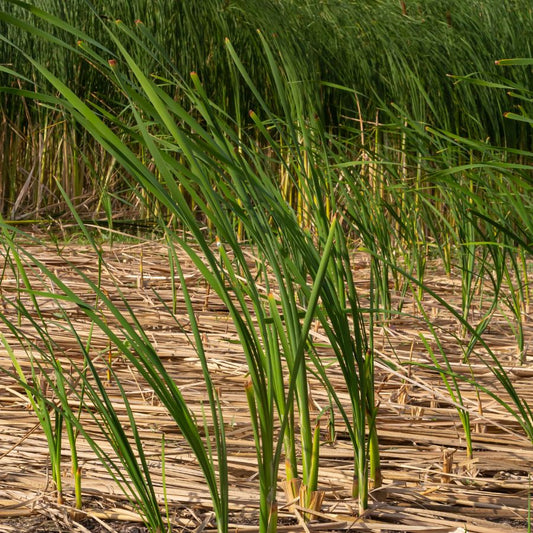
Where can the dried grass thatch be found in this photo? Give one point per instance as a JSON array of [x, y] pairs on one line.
[[429, 483]]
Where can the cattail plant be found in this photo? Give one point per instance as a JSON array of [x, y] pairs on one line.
[[284, 186]]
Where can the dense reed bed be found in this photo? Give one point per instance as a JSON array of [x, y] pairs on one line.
[[269, 174], [383, 52]]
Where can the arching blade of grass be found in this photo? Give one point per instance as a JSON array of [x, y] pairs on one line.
[[50, 419], [451, 383]]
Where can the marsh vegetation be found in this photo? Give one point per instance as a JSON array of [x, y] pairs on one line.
[[286, 264]]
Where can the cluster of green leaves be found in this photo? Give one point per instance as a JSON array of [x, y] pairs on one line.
[[229, 181]]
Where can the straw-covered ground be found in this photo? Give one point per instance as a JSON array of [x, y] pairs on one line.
[[428, 483]]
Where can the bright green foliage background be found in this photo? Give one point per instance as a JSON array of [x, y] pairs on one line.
[[385, 50]]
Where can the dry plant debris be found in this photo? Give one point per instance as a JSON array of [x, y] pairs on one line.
[[429, 483]]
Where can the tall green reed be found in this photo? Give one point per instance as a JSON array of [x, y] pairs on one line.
[[228, 182], [345, 329]]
